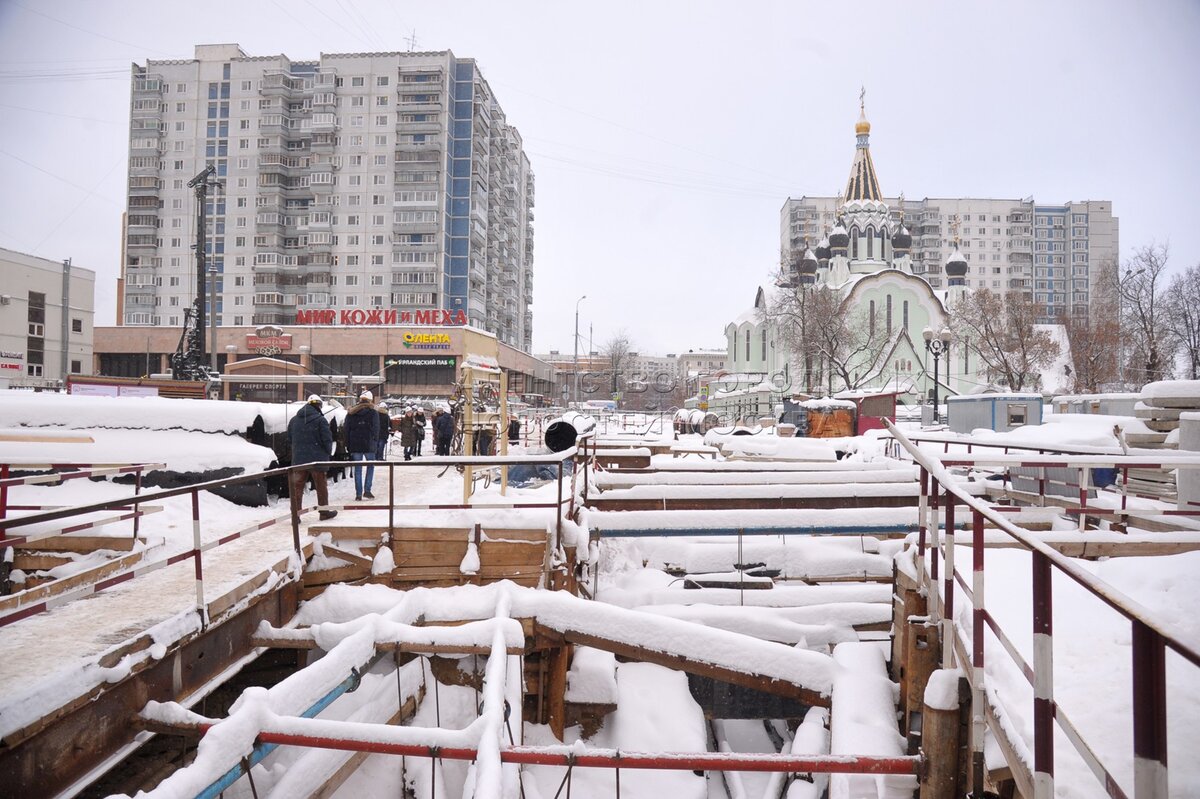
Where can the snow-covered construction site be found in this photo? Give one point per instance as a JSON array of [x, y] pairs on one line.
[[621, 605]]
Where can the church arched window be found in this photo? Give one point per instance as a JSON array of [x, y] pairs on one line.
[[853, 243], [889, 314], [871, 319], [870, 242]]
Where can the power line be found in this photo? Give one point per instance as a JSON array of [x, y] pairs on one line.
[[59, 177], [90, 193], [87, 31], [64, 116]]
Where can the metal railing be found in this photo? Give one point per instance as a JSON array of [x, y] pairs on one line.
[[563, 504], [1151, 637]]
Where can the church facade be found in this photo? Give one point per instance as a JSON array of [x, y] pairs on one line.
[[864, 259]]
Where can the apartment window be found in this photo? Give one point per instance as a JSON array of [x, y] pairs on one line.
[[247, 86], [33, 370], [381, 120], [382, 80], [359, 81], [351, 260], [181, 87], [355, 180], [76, 325], [178, 146], [381, 101], [381, 140], [377, 280]]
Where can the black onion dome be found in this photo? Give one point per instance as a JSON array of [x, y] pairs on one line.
[[822, 251], [839, 239], [957, 265], [808, 264], [902, 240]]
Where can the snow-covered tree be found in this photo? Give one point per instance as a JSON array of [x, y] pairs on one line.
[[1002, 329]]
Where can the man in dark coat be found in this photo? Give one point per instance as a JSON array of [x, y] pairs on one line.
[[362, 433], [385, 431], [514, 430], [311, 441], [443, 430]]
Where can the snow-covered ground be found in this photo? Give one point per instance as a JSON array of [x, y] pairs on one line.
[[655, 710]]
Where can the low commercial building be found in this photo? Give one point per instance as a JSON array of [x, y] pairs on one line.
[[46, 312], [272, 363]]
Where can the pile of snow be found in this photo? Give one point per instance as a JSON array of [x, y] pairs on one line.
[[1172, 389], [826, 404], [1067, 429], [770, 446], [178, 450], [592, 678], [25, 409]]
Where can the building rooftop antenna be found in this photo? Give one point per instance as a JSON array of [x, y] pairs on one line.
[[412, 40]]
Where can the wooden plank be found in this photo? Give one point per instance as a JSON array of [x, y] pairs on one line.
[[348, 556], [670, 660], [338, 574], [432, 534], [218, 606], [44, 438], [501, 535], [80, 543], [55, 587], [39, 561], [349, 533], [511, 554]]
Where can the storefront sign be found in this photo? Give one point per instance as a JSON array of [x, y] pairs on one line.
[[102, 390], [360, 317], [16, 367], [268, 340], [427, 341], [413, 361], [17, 356]]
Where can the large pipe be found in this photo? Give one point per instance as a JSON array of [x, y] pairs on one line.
[[564, 431]]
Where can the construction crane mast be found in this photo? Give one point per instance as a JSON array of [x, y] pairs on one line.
[[188, 361]]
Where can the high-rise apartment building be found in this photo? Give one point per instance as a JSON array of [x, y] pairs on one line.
[[1055, 254], [357, 182]]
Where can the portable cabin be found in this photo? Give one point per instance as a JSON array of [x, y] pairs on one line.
[[829, 418], [871, 408], [999, 412]]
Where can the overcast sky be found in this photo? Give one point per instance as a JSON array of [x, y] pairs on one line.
[[665, 136]]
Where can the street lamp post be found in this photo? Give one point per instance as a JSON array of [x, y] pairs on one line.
[[937, 347], [575, 375]]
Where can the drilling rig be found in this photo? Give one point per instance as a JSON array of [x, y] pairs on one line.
[[187, 363]]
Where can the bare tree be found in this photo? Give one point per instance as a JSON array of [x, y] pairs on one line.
[[1183, 316], [619, 351], [1145, 335], [1002, 329], [836, 338], [1095, 342]]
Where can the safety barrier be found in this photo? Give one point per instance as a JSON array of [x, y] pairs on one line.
[[1151, 637], [563, 504]]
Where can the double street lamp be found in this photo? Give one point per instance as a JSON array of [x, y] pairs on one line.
[[937, 346]]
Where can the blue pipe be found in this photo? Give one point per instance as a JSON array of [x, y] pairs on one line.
[[260, 751]]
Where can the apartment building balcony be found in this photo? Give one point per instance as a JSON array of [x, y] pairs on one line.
[[1020, 258], [1020, 217], [428, 103], [148, 84], [141, 242], [319, 260], [142, 222], [280, 84], [273, 318], [323, 122]]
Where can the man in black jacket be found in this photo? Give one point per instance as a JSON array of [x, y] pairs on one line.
[[443, 429], [362, 433], [311, 441]]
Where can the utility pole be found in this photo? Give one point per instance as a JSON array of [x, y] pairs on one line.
[[575, 377], [200, 185]]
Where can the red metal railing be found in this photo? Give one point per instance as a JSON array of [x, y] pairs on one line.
[[195, 554], [1150, 636]]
